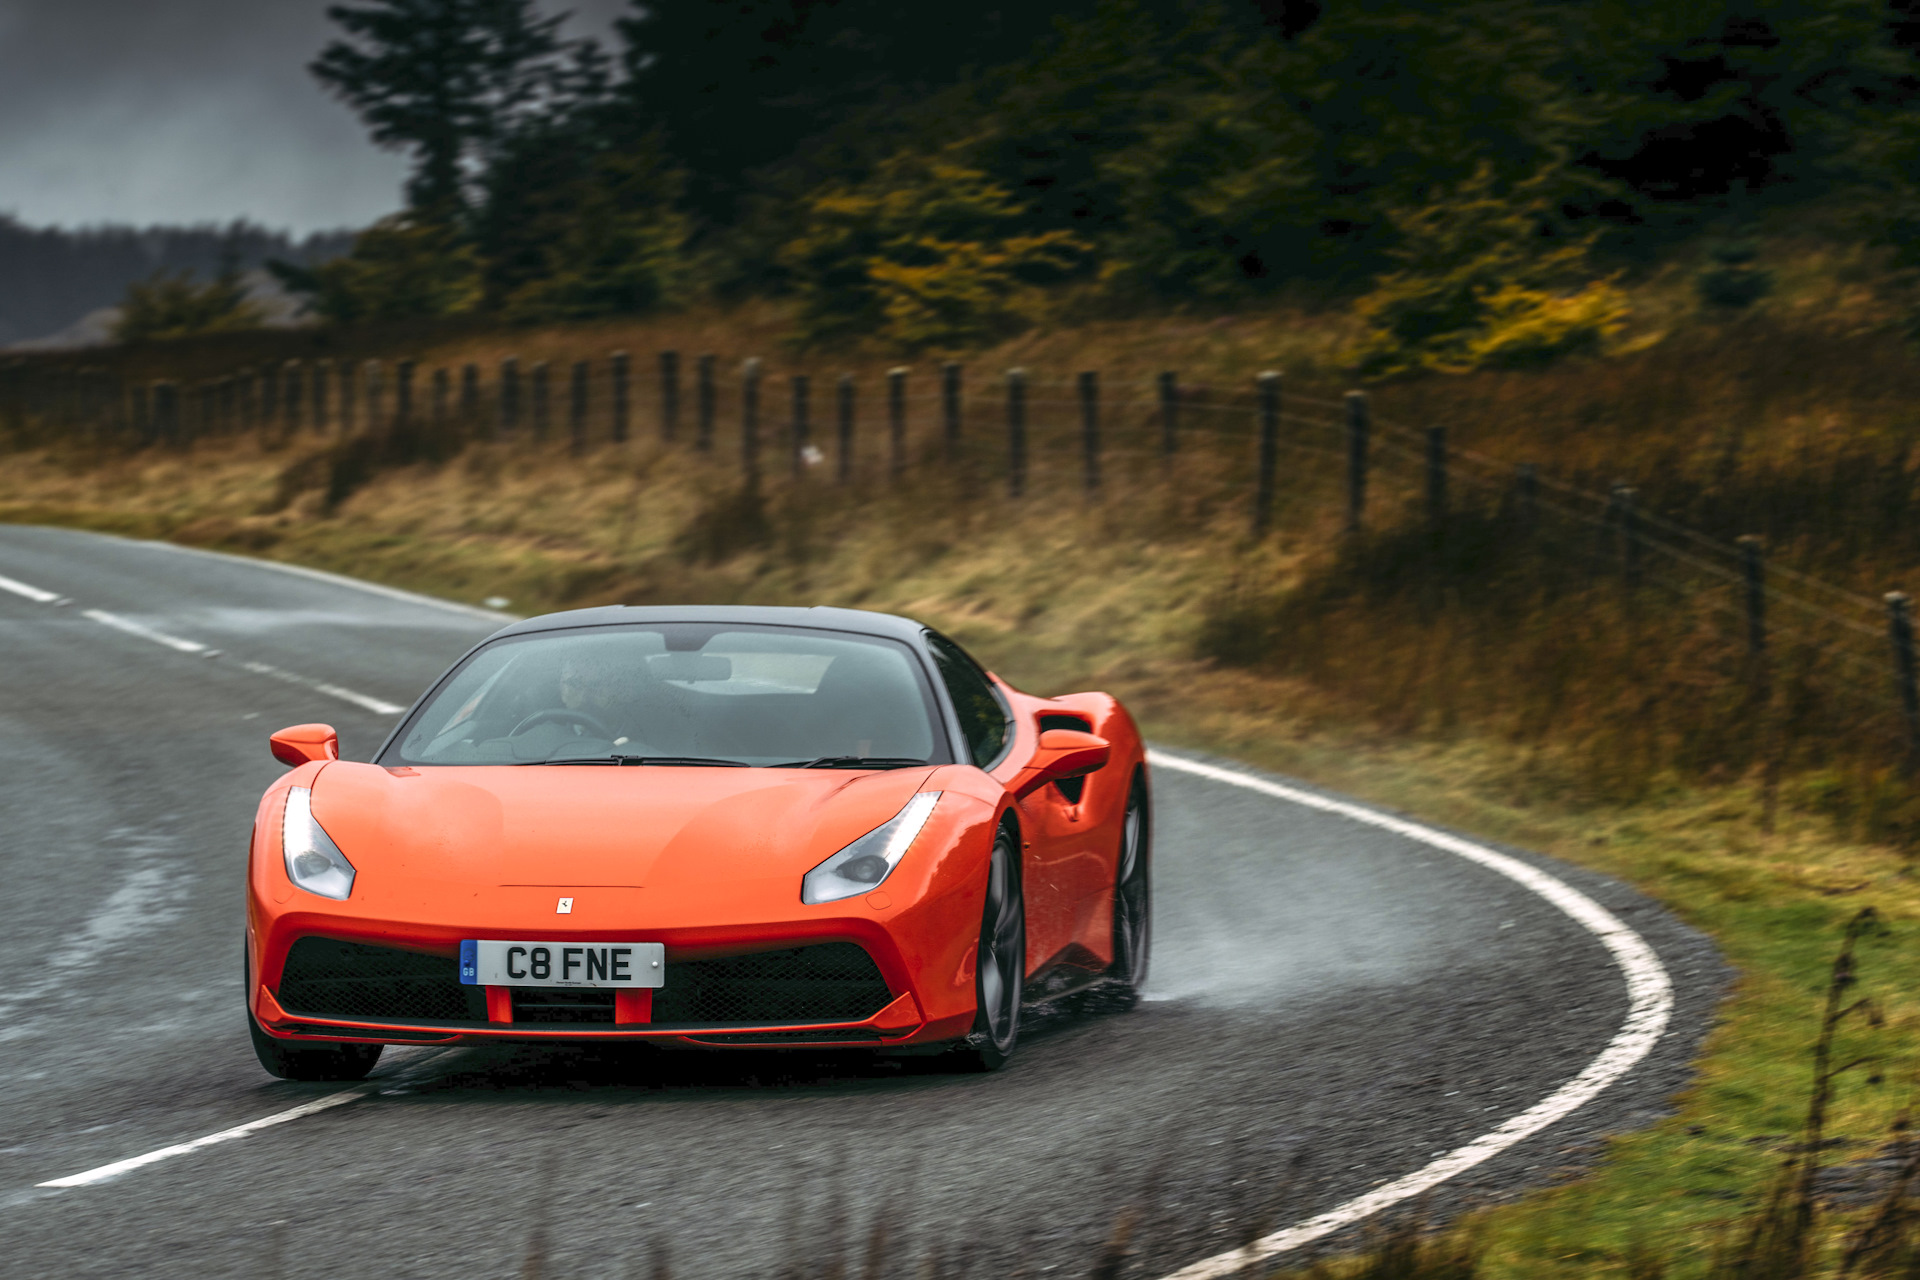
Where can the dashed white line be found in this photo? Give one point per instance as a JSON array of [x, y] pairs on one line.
[[36, 594], [365, 701], [1649, 1006], [133, 628], [106, 1172]]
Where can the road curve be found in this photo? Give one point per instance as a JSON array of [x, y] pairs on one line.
[[1335, 1004]]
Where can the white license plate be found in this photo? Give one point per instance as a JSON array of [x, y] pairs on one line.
[[563, 964]]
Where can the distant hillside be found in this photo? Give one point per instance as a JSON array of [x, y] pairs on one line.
[[51, 278]]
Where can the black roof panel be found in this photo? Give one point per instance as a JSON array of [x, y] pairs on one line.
[[862, 621]]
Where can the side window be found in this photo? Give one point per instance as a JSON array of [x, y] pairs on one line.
[[983, 718]]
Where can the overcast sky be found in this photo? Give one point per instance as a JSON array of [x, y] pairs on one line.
[[177, 111]]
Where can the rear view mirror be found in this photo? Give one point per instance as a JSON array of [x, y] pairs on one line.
[[305, 743], [1064, 753], [691, 666]]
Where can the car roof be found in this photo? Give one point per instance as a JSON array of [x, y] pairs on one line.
[[861, 621]]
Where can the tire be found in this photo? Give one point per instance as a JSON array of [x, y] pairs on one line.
[[1132, 903], [312, 1061], [1001, 969]]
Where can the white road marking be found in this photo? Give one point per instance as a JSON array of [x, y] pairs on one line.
[[375, 705], [133, 628], [109, 1171], [378, 706], [371, 588], [35, 594], [1649, 1007]]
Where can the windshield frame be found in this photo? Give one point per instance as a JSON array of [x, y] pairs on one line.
[[933, 692]]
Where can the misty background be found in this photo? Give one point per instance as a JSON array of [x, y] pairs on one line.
[[139, 132]]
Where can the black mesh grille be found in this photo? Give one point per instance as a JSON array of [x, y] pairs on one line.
[[327, 978], [828, 982], [562, 1004]]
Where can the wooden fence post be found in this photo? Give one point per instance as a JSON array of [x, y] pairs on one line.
[[1900, 631], [349, 398], [800, 433], [1169, 413], [402, 397], [950, 405], [843, 461], [622, 372], [750, 421], [1016, 431], [1269, 455], [142, 413], [1089, 384], [542, 398], [669, 395], [1627, 511], [166, 413], [376, 399], [509, 397], [1436, 479], [1526, 497], [706, 397], [1753, 569], [577, 409], [896, 422], [1358, 429], [296, 396], [269, 398], [442, 399], [322, 375]]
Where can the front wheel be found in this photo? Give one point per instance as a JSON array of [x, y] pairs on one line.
[[1001, 970], [312, 1061], [1132, 901]]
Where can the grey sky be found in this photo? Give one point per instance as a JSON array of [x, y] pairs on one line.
[[178, 111]]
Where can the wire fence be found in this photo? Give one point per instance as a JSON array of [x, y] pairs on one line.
[[1259, 448]]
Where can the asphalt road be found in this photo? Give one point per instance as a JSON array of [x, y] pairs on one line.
[[1331, 1006]]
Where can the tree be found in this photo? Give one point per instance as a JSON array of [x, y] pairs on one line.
[[448, 81], [169, 304]]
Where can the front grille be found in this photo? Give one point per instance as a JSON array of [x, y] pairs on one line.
[[827, 982], [327, 978], [562, 1004], [822, 1036]]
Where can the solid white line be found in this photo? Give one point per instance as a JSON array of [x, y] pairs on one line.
[[109, 1171], [32, 593], [145, 633], [1649, 1006], [378, 706]]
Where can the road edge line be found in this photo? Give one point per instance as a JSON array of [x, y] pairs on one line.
[[1649, 1009]]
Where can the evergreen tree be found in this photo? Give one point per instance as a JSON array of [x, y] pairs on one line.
[[448, 81]]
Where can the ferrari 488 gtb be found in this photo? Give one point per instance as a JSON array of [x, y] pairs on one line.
[[701, 826]]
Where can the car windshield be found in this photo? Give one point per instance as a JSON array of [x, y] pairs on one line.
[[692, 693]]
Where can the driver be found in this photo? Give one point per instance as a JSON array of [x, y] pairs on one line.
[[594, 683]]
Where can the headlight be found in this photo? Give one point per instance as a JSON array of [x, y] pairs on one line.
[[314, 861], [870, 859]]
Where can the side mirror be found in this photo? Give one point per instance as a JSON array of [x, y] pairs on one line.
[[305, 743], [1064, 753]]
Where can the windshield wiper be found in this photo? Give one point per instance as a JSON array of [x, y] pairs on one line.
[[849, 762], [660, 760]]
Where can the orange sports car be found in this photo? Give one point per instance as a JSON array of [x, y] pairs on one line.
[[699, 826]]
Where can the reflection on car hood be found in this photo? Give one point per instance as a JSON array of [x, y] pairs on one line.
[[655, 827]]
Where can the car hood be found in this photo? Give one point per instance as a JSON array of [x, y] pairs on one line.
[[574, 827]]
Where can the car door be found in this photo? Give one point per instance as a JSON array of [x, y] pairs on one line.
[[1046, 827]]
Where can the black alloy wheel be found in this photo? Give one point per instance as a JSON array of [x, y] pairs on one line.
[[312, 1061], [1001, 970], [1132, 900]]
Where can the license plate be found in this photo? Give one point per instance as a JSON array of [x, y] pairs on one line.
[[563, 964]]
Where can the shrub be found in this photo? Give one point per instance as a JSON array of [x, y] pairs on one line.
[[401, 268], [171, 305], [929, 253], [1484, 282]]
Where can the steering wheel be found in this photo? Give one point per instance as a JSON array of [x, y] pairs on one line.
[[560, 715]]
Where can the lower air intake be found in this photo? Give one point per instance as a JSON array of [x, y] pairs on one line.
[[827, 982], [327, 978]]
